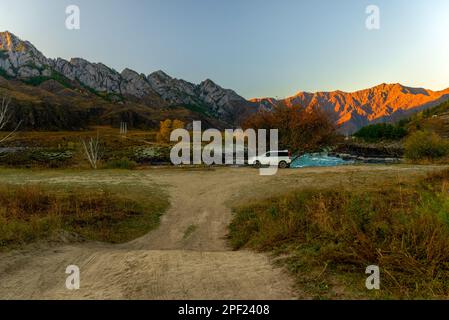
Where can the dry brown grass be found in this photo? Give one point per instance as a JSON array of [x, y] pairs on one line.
[[33, 212], [54, 139], [329, 237]]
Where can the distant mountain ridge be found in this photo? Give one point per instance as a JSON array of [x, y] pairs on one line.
[[351, 111], [21, 61]]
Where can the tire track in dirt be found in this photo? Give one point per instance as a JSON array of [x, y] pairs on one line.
[[165, 264], [170, 262]]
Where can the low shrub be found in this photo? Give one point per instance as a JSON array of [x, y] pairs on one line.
[[51, 158], [147, 155], [123, 163], [423, 145]]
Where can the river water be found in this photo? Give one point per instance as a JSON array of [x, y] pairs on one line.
[[318, 160]]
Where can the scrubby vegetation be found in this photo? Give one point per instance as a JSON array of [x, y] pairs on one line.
[[35, 81], [64, 149], [37, 157], [151, 155], [422, 145], [123, 163], [423, 138], [34, 212], [438, 110], [426, 119], [326, 238]]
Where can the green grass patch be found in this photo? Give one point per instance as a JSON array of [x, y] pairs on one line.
[[198, 108], [327, 238], [35, 81]]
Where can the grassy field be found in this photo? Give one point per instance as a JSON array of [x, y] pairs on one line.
[[326, 238], [64, 149], [103, 211], [55, 139]]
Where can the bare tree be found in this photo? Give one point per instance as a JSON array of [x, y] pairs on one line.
[[5, 116], [93, 150]]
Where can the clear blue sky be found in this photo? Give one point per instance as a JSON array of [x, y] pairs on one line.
[[256, 47]]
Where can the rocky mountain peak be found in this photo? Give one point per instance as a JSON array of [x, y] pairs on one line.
[[135, 84], [128, 74], [20, 58], [175, 91], [161, 75], [214, 91], [207, 82], [94, 75], [9, 42]]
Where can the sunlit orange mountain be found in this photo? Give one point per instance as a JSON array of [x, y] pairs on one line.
[[351, 111], [110, 96]]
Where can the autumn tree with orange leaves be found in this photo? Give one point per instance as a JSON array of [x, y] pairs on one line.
[[166, 127], [300, 130]]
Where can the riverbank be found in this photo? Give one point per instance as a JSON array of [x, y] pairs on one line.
[[363, 152]]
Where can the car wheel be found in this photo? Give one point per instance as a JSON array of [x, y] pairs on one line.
[[257, 164], [283, 165]]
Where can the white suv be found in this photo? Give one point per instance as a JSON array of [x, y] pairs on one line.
[[281, 158]]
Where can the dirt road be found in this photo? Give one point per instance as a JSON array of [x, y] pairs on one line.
[[187, 256]]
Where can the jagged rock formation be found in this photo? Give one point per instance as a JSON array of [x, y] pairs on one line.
[[223, 103], [20, 59], [94, 75], [173, 90]]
